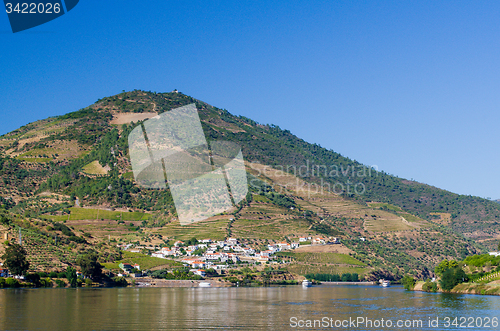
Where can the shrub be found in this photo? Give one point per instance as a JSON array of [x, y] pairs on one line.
[[120, 281], [53, 274], [430, 287], [33, 278], [60, 283], [2, 282], [11, 282], [408, 282], [47, 282]]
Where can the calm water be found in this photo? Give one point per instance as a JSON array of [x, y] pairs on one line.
[[276, 308]]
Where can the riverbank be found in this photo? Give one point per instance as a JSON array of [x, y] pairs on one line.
[[155, 282], [492, 288], [350, 283]]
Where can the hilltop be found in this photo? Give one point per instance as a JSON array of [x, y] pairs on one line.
[[74, 170]]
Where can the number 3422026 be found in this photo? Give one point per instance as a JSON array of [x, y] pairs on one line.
[[33, 8]]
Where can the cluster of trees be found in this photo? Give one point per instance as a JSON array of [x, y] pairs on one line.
[[67, 232], [408, 282], [281, 200], [15, 261], [6, 203], [89, 265], [452, 277], [451, 274], [482, 260], [383, 256]]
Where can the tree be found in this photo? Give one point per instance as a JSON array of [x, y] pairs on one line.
[[15, 259], [89, 265], [71, 277], [346, 277], [441, 267], [408, 282], [452, 277], [445, 265]]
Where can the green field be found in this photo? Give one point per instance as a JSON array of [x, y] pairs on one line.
[[145, 261], [94, 168], [92, 214], [215, 230], [128, 175], [260, 198], [382, 205]]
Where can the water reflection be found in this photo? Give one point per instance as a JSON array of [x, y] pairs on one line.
[[225, 308]]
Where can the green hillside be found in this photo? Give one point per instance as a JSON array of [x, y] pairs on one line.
[[76, 168]]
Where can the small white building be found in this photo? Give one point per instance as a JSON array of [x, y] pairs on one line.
[[199, 272]]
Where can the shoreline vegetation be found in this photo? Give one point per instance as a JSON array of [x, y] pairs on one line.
[[476, 274], [145, 282], [464, 288]]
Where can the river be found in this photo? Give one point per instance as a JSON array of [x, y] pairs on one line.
[[262, 308]]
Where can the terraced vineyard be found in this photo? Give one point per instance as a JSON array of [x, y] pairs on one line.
[[327, 263]]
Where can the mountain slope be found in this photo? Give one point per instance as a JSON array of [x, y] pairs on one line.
[[82, 158]]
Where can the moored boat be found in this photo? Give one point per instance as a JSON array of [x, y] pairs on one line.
[[204, 284], [306, 283]]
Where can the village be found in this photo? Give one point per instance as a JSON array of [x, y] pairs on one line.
[[219, 255]]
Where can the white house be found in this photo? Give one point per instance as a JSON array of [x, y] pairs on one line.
[[273, 248], [194, 263], [266, 253], [158, 254], [199, 272], [283, 245], [318, 241]]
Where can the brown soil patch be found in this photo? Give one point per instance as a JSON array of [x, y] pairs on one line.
[[123, 118]]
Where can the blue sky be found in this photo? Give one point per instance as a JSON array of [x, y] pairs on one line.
[[410, 86]]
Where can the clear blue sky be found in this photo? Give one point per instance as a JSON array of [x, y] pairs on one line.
[[410, 86]]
